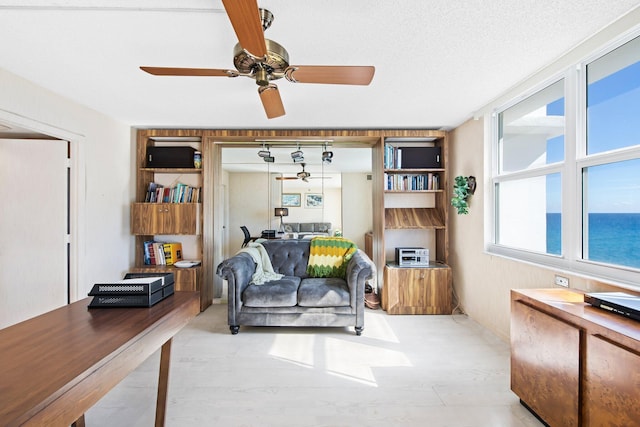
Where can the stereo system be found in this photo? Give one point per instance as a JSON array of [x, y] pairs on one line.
[[412, 257]]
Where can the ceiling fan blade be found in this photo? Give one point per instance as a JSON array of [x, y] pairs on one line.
[[173, 71], [245, 19], [330, 74], [271, 101], [286, 178]]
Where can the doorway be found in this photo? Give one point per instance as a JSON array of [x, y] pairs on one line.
[[34, 227]]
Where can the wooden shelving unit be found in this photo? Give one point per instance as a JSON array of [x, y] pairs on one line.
[[415, 215], [181, 221]]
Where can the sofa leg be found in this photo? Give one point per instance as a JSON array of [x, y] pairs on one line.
[[234, 329], [359, 330]]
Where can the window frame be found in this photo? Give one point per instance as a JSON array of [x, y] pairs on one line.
[[571, 169]]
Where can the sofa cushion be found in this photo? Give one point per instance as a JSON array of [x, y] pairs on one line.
[[288, 257], [275, 293], [323, 292], [306, 227], [321, 227]]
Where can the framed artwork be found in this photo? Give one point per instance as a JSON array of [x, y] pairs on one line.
[[313, 200], [290, 200]]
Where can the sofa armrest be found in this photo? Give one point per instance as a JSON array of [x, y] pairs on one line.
[[237, 271], [359, 270]]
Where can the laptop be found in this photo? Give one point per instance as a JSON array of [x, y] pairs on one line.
[[617, 302]]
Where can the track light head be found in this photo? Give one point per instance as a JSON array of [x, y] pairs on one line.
[[327, 156], [297, 156]]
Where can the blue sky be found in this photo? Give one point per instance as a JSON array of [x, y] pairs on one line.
[[613, 121]]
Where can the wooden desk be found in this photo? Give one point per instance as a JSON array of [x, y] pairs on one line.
[[56, 366]]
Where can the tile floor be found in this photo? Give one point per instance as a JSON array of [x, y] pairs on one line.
[[436, 371]]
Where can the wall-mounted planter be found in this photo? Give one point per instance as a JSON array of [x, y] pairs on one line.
[[463, 187]]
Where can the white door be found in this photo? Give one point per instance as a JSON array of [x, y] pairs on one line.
[[33, 228]]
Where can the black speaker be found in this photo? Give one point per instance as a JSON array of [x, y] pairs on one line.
[[420, 158], [170, 157]]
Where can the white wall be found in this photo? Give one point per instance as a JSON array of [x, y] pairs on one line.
[[357, 207], [249, 205], [106, 148]]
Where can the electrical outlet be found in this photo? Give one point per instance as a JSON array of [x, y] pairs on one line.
[[562, 281]]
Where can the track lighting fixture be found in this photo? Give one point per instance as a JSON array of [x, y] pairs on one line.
[[297, 156], [327, 156], [265, 153]]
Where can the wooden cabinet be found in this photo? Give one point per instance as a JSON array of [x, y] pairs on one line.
[[571, 363], [165, 218], [176, 222], [416, 290], [186, 279]]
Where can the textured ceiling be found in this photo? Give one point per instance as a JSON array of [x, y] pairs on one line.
[[437, 61]]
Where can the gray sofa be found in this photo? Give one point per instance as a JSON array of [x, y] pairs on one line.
[[296, 299], [308, 228]]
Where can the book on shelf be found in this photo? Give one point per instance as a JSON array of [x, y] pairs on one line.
[[162, 253], [412, 182], [180, 193]]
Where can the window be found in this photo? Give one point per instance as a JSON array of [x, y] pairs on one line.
[[528, 182], [566, 170]]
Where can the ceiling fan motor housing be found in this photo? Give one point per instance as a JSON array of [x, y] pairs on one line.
[[277, 60]]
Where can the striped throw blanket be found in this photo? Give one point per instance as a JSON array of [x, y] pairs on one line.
[[328, 256]]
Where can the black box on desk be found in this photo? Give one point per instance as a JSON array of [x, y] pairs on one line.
[[420, 157], [137, 290], [170, 157]]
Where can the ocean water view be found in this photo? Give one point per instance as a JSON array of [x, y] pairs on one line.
[[614, 238]]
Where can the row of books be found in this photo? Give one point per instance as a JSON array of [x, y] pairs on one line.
[[162, 253], [392, 158], [410, 182], [181, 193]]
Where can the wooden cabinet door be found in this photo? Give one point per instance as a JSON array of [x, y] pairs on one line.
[[416, 290], [164, 218], [545, 364], [179, 218], [147, 218], [611, 384]]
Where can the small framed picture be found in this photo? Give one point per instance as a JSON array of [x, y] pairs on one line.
[[290, 200], [313, 200]]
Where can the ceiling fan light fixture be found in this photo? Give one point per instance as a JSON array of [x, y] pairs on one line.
[[266, 18], [269, 159]]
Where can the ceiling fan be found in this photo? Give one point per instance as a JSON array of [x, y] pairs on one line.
[[265, 60], [303, 175]]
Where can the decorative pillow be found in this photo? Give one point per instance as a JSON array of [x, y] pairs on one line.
[[288, 228], [306, 227], [323, 227]]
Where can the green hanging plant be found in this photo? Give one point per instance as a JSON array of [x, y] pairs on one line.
[[463, 187]]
